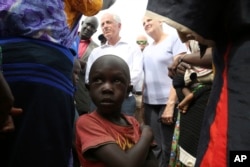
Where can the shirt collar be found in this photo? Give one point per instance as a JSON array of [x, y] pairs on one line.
[[122, 40]]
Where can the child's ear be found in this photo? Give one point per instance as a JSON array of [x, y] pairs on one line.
[[87, 86], [130, 88]]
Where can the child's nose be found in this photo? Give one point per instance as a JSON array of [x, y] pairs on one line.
[[107, 87]]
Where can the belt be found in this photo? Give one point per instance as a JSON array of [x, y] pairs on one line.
[[137, 93]]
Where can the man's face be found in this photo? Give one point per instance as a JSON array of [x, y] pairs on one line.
[[89, 27], [142, 42], [110, 27]]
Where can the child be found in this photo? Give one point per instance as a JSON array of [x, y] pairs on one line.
[[74, 162], [106, 137], [194, 82], [76, 72]]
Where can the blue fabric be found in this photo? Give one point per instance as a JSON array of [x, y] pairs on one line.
[[129, 106], [60, 48], [39, 19], [39, 76], [29, 72]]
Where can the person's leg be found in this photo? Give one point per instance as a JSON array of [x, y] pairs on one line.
[[188, 97], [139, 109], [75, 160], [167, 132], [151, 113], [129, 106]]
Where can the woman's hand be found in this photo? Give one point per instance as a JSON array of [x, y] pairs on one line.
[[168, 113]]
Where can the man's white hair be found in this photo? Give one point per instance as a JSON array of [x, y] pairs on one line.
[[115, 17]]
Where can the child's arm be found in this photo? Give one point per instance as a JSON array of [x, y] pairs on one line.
[[112, 155]]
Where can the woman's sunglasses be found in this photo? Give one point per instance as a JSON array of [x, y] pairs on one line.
[[141, 42]]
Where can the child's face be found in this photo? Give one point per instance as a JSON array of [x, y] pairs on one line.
[[76, 73], [108, 86]]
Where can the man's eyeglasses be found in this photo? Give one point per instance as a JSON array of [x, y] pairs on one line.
[[141, 42]]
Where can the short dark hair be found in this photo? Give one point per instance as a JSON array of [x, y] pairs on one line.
[[101, 37]]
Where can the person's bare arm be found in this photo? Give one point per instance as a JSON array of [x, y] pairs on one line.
[[6, 109], [181, 63], [112, 155], [196, 60], [168, 113], [6, 100]]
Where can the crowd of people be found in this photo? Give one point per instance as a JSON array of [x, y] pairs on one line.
[[68, 101]]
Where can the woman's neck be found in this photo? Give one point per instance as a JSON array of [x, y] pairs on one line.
[[160, 37]]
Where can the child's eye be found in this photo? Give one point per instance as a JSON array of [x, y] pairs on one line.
[[117, 81], [98, 80]]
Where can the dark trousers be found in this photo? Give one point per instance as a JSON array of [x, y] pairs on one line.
[[163, 133]]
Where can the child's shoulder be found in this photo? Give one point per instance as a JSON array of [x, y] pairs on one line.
[[132, 120], [87, 117]]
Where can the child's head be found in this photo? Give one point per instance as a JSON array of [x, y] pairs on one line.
[[76, 71], [109, 83]]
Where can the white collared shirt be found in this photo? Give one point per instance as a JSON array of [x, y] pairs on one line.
[[129, 52]]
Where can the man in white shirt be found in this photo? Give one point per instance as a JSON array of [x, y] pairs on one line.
[[130, 52]]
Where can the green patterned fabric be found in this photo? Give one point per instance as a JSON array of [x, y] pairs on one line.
[[174, 156]]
